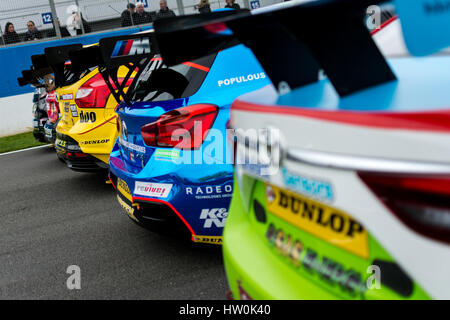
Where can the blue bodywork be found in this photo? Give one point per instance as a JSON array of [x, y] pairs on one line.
[[418, 82], [198, 188]]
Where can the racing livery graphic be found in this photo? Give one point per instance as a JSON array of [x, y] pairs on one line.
[[165, 180], [355, 203], [82, 120]]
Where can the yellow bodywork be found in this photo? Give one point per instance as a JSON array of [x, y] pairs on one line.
[[95, 138]]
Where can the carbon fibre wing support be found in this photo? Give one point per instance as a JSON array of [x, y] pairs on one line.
[[133, 52], [292, 42], [56, 58]]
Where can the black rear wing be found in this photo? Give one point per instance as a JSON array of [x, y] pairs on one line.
[[27, 78], [56, 58], [36, 73], [292, 42], [131, 51]]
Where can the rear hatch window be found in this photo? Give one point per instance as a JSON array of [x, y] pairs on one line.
[[158, 82]]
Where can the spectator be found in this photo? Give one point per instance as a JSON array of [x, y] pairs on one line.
[[164, 11], [10, 35], [64, 32], [203, 6], [128, 15], [232, 5], [78, 20], [141, 16], [32, 33]]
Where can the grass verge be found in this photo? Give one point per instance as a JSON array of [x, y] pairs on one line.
[[18, 141]]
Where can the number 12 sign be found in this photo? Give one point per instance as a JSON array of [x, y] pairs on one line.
[[47, 18]]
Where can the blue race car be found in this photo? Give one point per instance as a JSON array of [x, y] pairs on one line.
[[171, 164]]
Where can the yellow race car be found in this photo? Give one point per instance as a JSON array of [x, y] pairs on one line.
[[87, 128]]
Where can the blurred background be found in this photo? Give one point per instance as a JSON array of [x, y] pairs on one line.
[[35, 20]]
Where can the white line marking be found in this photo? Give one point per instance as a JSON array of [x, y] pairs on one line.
[[32, 148]]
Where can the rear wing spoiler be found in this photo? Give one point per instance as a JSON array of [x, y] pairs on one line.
[[292, 42], [36, 73], [27, 78], [56, 58], [131, 51]]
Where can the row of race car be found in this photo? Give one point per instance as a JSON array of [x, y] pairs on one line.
[[330, 141]]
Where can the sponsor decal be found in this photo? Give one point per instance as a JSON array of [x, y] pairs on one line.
[[95, 141], [216, 217], [36, 123], [208, 239], [167, 154], [48, 132], [150, 189], [131, 47], [128, 209], [122, 187], [132, 146], [324, 222], [436, 7], [61, 143], [67, 96], [241, 79], [86, 117], [210, 192], [308, 186], [73, 108], [329, 271]]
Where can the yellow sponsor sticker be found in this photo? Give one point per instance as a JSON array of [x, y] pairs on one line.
[[122, 187], [61, 143], [208, 239], [322, 221], [128, 209]]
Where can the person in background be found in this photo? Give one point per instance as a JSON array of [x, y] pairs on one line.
[[203, 6], [141, 16], [232, 5], [164, 11], [64, 32], [32, 33], [10, 35], [78, 20], [128, 15]]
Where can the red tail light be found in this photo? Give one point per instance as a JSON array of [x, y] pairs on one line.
[[52, 107], [183, 128], [93, 94], [422, 203]]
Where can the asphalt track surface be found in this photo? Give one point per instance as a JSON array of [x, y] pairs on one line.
[[52, 217]]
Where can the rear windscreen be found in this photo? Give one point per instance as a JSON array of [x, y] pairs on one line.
[[158, 82], [70, 76]]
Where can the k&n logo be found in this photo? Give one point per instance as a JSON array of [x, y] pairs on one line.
[[216, 216]]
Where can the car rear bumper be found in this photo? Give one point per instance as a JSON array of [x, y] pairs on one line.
[[176, 206], [253, 271], [70, 152], [153, 214]]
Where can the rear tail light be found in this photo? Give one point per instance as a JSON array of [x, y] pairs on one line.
[[93, 94], [183, 128], [422, 203], [52, 110]]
